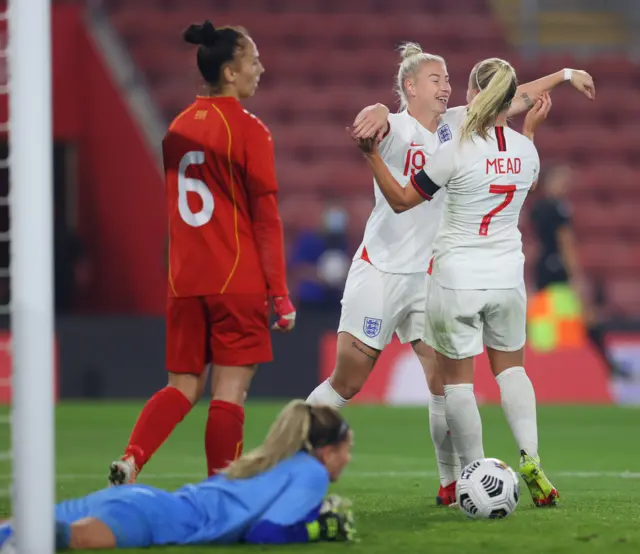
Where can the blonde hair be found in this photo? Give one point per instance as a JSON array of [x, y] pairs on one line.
[[412, 56], [299, 426], [496, 81]]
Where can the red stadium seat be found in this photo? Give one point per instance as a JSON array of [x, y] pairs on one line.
[[335, 178], [609, 257], [622, 181], [624, 295], [550, 63], [594, 219], [613, 68], [172, 97], [326, 59], [301, 211]]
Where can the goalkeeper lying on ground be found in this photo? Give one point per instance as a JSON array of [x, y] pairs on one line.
[[275, 494]]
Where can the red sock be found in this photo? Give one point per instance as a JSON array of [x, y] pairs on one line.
[[159, 417], [223, 435]]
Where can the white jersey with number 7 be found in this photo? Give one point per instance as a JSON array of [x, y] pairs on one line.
[[478, 244]]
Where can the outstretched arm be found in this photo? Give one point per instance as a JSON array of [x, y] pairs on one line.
[[267, 532], [535, 116], [331, 521], [528, 93]]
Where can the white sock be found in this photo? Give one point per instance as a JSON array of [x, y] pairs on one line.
[[464, 422], [519, 405], [447, 457], [325, 394]]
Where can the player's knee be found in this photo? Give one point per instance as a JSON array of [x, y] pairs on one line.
[[189, 385], [354, 362], [231, 384], [500, 360], [435, 384], [235, 396], [345, 386], [349, 376], [427, 357]]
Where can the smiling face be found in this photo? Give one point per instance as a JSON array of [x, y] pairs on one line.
[[429, 89]]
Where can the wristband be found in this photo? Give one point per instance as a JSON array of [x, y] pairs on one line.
[[283, 306], [568, 73]]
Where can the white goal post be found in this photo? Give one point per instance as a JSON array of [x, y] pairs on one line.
[[31, 271]]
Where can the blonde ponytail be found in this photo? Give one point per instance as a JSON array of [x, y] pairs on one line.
[[496, 82], [288, 434], [411, 55]]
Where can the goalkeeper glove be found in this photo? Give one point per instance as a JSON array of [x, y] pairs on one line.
[[335, 522], [286, 313]]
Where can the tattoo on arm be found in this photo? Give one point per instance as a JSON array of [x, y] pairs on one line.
[[372, 357], [527, 101]]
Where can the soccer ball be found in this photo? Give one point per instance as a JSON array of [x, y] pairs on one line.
[[488, 489]]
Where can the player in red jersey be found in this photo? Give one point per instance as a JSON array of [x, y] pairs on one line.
[[226, 255]]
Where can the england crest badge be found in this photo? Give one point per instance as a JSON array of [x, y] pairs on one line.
[[444, 133], [372, 327]]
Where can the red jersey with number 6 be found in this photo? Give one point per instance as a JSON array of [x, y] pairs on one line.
[[224, 229]]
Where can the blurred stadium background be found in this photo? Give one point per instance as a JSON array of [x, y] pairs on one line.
[[121, 73]]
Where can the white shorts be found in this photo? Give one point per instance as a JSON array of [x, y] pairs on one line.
[[459, 322], [376, 304]]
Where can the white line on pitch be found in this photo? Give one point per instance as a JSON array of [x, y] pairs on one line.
[[569, 474], [350, 474]]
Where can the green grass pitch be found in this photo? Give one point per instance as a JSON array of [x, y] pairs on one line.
[[590, 453]]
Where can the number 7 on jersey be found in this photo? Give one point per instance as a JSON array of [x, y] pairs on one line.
[[509, 190]]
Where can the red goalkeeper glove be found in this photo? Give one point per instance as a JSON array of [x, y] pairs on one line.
[[286, 313]]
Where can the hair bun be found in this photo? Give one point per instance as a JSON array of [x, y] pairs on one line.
[[204, 34], [409, 49]]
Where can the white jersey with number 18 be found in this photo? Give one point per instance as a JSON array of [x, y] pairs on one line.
[[478, 244]]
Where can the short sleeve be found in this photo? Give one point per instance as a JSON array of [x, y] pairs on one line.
[[437, 174], [441, 165], [536, 166], [391, 143], [260, 169]]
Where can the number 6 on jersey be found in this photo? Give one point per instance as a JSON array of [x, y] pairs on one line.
[[189, 184]]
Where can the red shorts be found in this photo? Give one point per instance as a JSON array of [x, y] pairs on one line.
[[223, 329]]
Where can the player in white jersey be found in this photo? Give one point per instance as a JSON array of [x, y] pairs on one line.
[[475, 293], [384, 293]]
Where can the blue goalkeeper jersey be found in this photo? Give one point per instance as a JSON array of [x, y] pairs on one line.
[[273, 507]]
